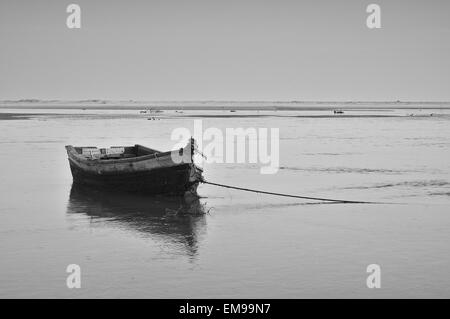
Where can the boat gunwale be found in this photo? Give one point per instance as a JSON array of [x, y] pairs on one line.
[[73, 154]]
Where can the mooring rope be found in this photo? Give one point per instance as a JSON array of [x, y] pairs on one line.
[[292, 196]]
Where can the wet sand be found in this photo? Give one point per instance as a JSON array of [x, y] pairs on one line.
[[213, 114]]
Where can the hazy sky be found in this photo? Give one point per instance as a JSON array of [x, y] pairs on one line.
[[225, 50]]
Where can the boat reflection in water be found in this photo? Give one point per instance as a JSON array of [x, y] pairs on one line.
[[169, 219]]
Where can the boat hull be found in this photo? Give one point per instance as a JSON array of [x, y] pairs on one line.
[[168, 180], [154, 174]]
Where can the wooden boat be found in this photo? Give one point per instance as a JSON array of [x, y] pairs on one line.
[[137, 169]]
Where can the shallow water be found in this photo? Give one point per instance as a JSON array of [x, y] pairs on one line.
[[248, 245]]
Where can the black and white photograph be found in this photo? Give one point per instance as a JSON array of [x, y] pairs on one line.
[[224, 150]]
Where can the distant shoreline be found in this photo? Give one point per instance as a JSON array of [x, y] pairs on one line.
[[219, 105]]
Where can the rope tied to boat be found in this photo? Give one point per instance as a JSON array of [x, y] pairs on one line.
[[342, 201]]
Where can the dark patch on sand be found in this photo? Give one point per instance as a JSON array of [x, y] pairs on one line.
[[16, 116], [229, 116], [285, 116]]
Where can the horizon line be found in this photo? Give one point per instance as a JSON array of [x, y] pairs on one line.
[[94, 100]]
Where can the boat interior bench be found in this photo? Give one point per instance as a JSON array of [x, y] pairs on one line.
[[114, 152]]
